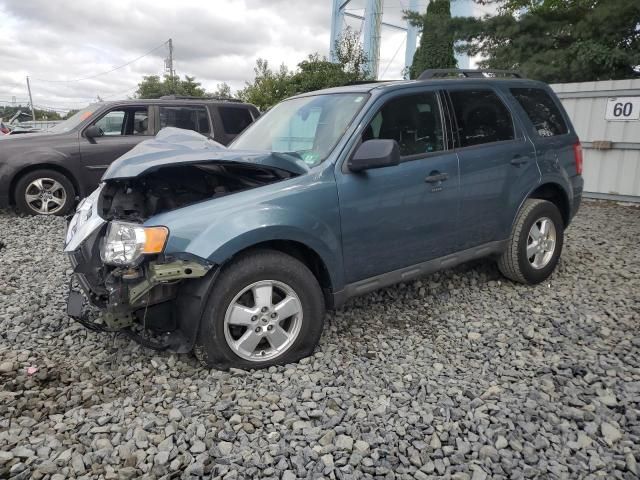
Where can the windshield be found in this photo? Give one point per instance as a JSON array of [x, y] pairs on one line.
[[75, 120], [308, 127]]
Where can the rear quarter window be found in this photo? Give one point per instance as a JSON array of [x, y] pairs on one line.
[[542, 111], [235, 119]]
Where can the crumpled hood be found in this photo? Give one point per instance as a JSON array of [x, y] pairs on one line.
[[175, 146]]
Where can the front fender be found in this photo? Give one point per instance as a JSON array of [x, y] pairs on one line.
[[221, 241], [39, 155], [304, 211], [17, 163]]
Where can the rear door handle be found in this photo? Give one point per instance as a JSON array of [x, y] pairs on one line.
[[518, 160], [435, 177]]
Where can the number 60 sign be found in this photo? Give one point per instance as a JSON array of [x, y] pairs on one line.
[[623, 108]]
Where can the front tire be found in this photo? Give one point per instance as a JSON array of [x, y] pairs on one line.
[[535, 244], [44, 192], [266, 308]]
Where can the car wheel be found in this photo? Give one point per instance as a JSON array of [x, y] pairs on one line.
[[44, 192], [535, 244], [265, 308]]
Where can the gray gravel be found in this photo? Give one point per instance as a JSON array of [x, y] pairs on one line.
[[461, 375]]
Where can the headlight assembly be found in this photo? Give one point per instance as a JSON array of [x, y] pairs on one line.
[[126, 243]]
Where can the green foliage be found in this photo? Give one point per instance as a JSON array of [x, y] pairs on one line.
[[223, 90], [556, 40], [70, 114], [436, 45], [153, 86], [314, 73], [351, 56], [268, 87]]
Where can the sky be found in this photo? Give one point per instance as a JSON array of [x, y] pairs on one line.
[[60, 43]]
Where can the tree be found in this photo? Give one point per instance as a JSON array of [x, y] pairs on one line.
[[313, 73], [223, 90], [436, 45], [555, 40], [152, 86], [268, 87], [70, 113], [351, 56]]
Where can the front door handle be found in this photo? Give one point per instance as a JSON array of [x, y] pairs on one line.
[[519, 160], [436, 177]]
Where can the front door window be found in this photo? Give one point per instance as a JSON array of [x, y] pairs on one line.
[[413, 121], [125, 121]]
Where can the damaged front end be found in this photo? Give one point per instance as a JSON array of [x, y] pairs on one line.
[[118, 253], [135, 290]]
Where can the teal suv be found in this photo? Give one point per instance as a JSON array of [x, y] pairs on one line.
[[236, 252]]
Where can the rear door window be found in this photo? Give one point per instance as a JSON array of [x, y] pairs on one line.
[[482, 117], [541, 110], [189, 117], [235, 119]]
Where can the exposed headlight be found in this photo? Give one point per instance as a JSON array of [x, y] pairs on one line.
[[126, 243], [83, 214]]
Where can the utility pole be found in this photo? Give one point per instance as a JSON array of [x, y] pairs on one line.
[[33, 112], [170, 65]]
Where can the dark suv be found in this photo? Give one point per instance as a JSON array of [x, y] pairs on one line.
[[43, 173], [235, 252]]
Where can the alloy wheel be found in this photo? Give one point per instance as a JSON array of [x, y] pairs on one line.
[[541, 242], [263, 320], [45, 196]]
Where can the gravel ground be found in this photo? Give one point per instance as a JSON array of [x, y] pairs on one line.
[[460, 375]]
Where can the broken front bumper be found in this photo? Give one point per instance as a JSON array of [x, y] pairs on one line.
[[130, 298]]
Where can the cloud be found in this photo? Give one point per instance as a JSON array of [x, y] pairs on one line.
[[215, 41]]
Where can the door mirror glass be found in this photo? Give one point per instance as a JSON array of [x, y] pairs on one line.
[[93, 131], [375, 154]]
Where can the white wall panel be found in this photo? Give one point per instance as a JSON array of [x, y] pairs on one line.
[[616, 171]]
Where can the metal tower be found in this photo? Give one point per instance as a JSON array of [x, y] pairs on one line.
[[372, 24], [373, 21]]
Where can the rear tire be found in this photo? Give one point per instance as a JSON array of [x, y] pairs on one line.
[[266, 308], [535, 244], [44, 192]]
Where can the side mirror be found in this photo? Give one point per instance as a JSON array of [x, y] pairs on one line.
[[375, 154], [93, 131]]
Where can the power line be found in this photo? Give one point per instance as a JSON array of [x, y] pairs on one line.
[[131, 90], [104, 73]]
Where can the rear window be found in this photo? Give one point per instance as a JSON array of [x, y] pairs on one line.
[[234, 119], [541, 110], [482, 117]]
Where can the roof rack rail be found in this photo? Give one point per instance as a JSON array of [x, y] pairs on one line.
[[466, 73], [364, 82], [210, 97]]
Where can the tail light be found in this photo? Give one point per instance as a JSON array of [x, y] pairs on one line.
[[577, 154]]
